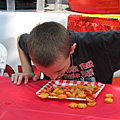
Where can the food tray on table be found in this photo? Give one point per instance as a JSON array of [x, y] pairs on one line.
[[67, 83]]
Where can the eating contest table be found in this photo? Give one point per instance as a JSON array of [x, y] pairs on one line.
[[22, 103]]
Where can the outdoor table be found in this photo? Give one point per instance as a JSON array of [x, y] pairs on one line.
[[22, 103]]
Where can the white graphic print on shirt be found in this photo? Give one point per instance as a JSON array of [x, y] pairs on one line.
[[83, 72]]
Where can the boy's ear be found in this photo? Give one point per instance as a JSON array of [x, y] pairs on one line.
[[73, 48]]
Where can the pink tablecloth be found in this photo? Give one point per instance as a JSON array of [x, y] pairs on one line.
[[21, 103]]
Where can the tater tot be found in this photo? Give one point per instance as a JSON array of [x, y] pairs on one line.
[[108, 100], [44, 95], [109, 96], [62, 96], [73, 105], [91, 104], [82, 105]]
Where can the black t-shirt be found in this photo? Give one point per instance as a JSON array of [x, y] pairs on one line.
[[96, 57]]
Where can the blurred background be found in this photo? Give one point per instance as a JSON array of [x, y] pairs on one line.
[[27, 4]]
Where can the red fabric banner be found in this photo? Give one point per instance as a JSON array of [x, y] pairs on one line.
[[95, 6], [81, 23]]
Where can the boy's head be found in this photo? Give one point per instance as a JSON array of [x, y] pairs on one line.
[[48, 43]]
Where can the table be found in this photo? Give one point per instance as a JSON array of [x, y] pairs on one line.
[[21, 103]]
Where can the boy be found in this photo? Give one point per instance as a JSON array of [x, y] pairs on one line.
[[60, 53]]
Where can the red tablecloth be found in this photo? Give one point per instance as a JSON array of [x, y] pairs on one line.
[[21, 103]]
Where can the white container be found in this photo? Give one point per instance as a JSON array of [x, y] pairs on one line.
[[3, 58], [10, 5], [40, 5], [58, 5], [1, 72]]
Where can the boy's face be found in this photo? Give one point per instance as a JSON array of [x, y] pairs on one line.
[[60, 66], [56, 70]]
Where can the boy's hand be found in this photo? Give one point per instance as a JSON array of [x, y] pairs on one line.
[[19, 77]]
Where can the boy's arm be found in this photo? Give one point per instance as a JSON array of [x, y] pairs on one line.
[[26, 65], [27, 70]]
